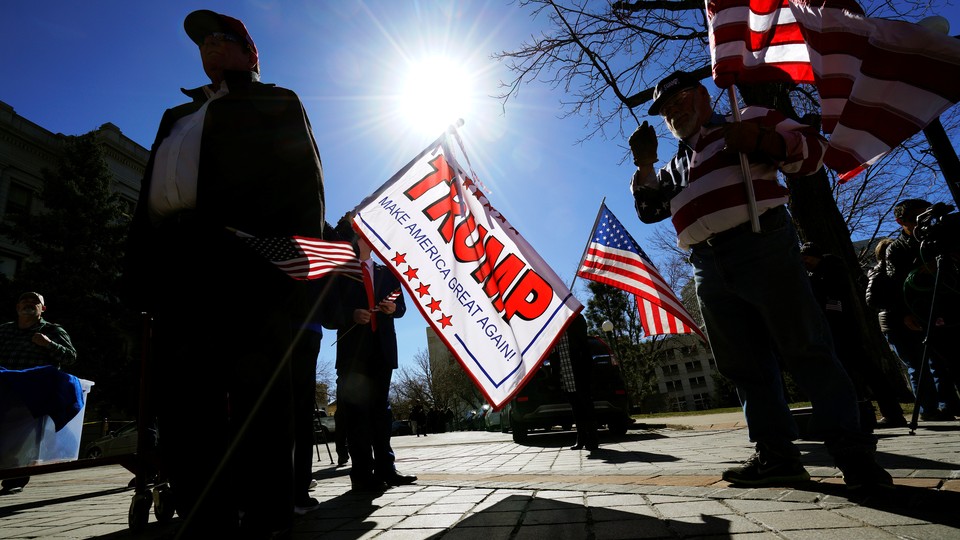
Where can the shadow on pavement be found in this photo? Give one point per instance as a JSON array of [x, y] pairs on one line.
[[924, 504], [816, 454], [15, 508], [610, 455], [559, 439], [522, 517]]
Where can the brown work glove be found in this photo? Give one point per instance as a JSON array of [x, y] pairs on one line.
[[643, 144]]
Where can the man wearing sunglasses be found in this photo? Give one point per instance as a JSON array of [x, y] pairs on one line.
[[240, 154], [755, 297]]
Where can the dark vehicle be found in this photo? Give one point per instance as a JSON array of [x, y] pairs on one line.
[[116, 443], [543, 404], [324, 424], [401, 427]]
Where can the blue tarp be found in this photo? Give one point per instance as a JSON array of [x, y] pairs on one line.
[[45, 390]]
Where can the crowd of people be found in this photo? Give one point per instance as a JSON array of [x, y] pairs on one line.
[[235, 341]]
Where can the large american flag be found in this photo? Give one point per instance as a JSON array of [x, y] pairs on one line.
[[305, 258], [880, 81], [613, 257]]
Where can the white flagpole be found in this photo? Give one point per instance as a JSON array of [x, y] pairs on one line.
[[745, 168], [593, 231]]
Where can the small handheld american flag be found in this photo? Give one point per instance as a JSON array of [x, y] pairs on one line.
[[305, 258], [392, 297]]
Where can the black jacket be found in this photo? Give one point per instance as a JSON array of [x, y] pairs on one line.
[[359, 348], [259, 172]]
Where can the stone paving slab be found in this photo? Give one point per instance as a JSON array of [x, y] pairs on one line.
[[655, 482]]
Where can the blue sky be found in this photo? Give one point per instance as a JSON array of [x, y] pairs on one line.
[[71, 66]]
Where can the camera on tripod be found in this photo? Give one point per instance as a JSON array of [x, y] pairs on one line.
[[938, 230]]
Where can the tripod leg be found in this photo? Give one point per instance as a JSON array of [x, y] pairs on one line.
[[925, 359]]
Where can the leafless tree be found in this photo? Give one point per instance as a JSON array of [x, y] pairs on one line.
[[605, 57], [441, 383]]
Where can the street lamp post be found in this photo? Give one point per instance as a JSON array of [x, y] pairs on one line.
[[607, 328]]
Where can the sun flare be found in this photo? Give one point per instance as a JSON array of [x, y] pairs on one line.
[[436, 93]]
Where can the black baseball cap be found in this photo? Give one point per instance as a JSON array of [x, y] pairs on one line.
[[670, 86], [203, 22]]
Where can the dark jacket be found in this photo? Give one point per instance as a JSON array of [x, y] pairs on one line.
[[903, 257], [259, 172], [359, 348]]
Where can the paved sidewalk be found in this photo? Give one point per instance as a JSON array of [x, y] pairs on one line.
[[656, 482]]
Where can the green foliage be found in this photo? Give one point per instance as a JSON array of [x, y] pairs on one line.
[[77, 249], [638, 357]]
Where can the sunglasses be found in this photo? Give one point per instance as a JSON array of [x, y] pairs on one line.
[[220, 37]]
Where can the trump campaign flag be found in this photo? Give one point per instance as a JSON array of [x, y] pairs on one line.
[[488, 295], [880, 81], [613, 257]]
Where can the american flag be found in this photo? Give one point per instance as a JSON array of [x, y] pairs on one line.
[[305, 258], [392, 297], [613, 257], [880, 81]]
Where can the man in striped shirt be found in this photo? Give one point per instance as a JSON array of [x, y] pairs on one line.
[[753, 291]]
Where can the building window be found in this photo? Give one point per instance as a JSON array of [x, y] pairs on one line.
[[701, 401], [696, 365], [672, 369], [697, 382], [712, 362], [19, 198], [678, 404], [9, 265], [674, 386]]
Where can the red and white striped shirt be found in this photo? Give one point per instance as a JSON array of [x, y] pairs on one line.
[[702, 187]]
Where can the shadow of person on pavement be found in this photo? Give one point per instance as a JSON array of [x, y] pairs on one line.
[[918, 503], [929, 504], [525, 517], [613, 456], [560, 439]]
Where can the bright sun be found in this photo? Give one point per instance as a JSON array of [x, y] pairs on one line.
[[436, 93]]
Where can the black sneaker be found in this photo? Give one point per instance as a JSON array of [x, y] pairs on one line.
[[305, 506], [765, 469], [864, 474]]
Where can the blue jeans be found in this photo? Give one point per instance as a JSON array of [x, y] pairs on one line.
[[760, 312]]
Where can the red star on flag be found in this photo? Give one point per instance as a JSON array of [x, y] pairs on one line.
[[411, 273], [444, 321], [400, 259], [423, 290], [434, 306]]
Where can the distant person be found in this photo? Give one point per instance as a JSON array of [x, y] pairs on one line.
[[753, 292], [828, 277], [32, 341], [572, 356], [879, 294], [366, 357], [418, 420], [240, 154], [908, 329]]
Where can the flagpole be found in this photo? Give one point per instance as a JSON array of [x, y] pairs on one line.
[[745, 167], [586, 248]]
